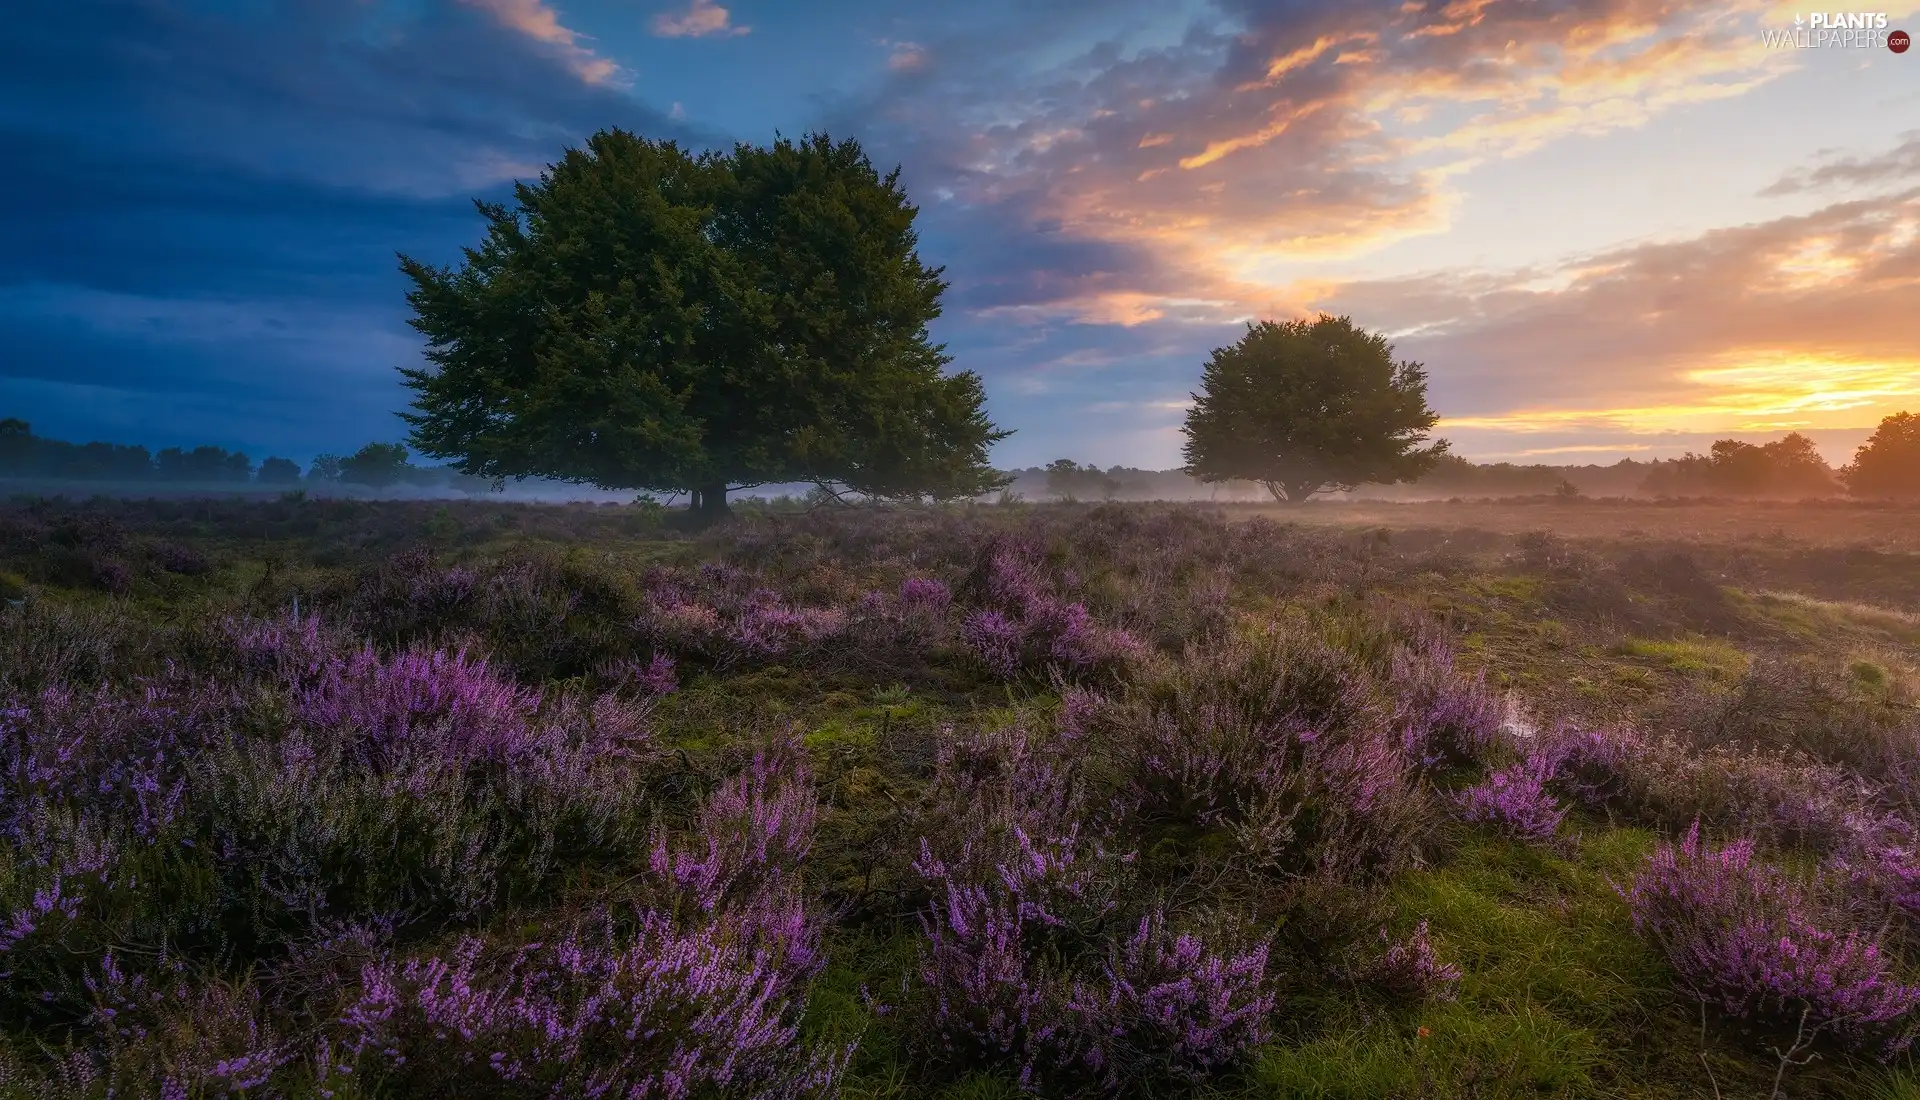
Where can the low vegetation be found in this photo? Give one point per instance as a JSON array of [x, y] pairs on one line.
[[326, 798]]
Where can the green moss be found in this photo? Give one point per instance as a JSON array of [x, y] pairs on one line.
[[1703, 657]]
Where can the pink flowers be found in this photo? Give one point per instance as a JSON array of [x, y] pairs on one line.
[[1760, 945], [1516, 800]]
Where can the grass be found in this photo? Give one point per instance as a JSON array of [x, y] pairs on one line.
[[1701, 657], [1558, 996]]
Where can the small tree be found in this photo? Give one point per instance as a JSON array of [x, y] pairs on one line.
[[377, 465], [278, 471], [16, 445], [1306, 407], [324, 468], [1888, 464]]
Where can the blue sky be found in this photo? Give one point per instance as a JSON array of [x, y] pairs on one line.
[[1608, 227]]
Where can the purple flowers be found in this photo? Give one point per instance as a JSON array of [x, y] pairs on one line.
[[699, 990], [924, 595], [1409, 967], [1515, 799], [1167, 1005], [1762, 946], [996, 640], [387, 702], [662, 1010]]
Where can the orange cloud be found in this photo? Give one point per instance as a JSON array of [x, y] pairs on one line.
[[906, 57], [1330, 135], [541, 23], [701, 19], [1801, 322]]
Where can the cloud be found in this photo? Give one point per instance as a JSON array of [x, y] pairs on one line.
[[1800, 322], [702, 18], [905, 57], [202, 211], [1275, 132], [1899, 163], [538, 21]]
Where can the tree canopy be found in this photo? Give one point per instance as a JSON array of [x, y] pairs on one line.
[[1888, 464], [645, 317], [1067, 480], [1788, 466], [377, 465], [1310, 406]]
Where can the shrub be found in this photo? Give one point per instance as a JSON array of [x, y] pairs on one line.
[[1761, 947], [1409, 968], [661, 1010], [1515, 800]]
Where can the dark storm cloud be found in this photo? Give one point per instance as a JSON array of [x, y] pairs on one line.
[[200, 213]]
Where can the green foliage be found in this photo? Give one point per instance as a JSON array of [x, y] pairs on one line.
[[278, 471], [1067, 480], [1888, 464], [649, 318], [1304, 407], [202, 464], [376, 464], [1790, 465], [324, 468]]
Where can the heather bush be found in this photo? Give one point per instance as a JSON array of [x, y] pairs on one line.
[[1515, 800], [659, 1009], [1409, 968], [1767, 949], [1278, 741], [1167, 1006], [697, 993], [1798, 707], [1038, 960], [1776, 796], [1445, 720]]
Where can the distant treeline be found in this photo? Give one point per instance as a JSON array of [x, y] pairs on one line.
[[1788, 467], [377, 465]]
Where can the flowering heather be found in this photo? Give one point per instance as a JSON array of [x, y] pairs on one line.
[[1167, 1006], [1784, 797], [297, 653], [671, 1011], [1444, 720], [156, 1025], [387, 702], [1207, 767], [124, 755], [1409, 968], [1763, 947], [751, 833], [766, 627], [651, 678], [925, 595], [1515, 800], [1371, 810], [996, 640]]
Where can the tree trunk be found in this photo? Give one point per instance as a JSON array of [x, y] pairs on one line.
[[1291, 494], [710, 502]]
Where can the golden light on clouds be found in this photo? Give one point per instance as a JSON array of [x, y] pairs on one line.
[[1748, 392], [540, 22]]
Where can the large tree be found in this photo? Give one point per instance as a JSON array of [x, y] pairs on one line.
[[1306, 407], [1888, 464], [649, 318]]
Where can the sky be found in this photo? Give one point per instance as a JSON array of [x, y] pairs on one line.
[[1608, 228]]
